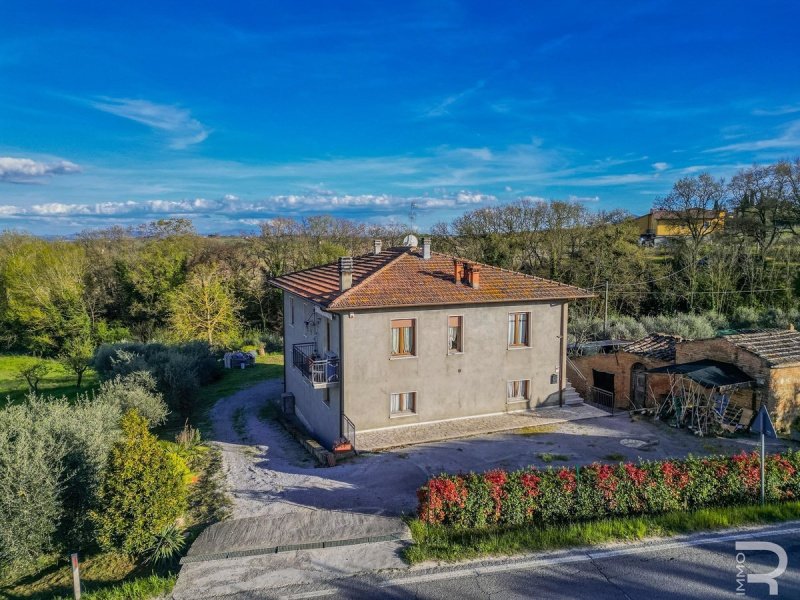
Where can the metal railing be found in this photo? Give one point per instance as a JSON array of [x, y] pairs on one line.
[[349, 430], [321, 372], [601, 398], [572, 367]]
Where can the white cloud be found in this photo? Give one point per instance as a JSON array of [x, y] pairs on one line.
[[24, 170], [573, 198], [776, 112], [661, 166], [788, 139], [258, 209], [59, 209], [442, 107], [183, 130]]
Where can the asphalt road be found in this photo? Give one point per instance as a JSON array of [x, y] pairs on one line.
[[698, 567]]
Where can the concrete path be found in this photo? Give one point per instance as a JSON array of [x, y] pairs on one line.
[[299, 531], [472, 426]]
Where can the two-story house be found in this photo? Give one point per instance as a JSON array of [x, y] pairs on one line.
[[406, 336]]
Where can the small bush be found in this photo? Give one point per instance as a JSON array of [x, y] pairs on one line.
[[597, 491], [143, 490], [166, 546], [135, 391]]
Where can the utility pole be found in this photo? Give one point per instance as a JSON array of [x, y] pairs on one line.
[[605, 317]]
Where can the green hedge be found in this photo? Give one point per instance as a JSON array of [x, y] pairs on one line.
[[534, 496]]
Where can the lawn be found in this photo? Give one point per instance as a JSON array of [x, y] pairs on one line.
[[268, 366], [105, 575], [58, 381]]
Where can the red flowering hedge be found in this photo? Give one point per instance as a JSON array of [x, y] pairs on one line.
[[532, 495]]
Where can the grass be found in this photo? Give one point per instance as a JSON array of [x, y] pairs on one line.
[[58, 381], [104, 576], [240, 423], [614, 457], [549, 457], [437, 542], [269, 412], [535, 430]]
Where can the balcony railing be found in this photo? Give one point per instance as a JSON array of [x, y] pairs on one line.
[[320, 371]]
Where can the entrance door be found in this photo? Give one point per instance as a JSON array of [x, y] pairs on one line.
[[604, 381], [602, 392], [638, 385]]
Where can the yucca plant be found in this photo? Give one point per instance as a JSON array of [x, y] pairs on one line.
[[166, 546]]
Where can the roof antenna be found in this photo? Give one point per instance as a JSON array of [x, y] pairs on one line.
[[412, 215]]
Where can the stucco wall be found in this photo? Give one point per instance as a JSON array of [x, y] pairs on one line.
[[321, 419], [448, 386]]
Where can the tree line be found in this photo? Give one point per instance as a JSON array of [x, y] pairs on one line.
[[163, 282]]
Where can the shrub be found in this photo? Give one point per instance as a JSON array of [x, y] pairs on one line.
[[687, 325], [52, 454], [143, 490], [30, 474], [178, 370], [600, 490], [135, 391]]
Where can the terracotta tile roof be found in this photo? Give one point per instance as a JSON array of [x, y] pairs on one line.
[[401, 277], [655, 345], [776, 346]]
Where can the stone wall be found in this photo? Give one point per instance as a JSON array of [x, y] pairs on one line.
[[620, 364], [784, 395]]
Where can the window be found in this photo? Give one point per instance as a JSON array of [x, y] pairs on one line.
[[455, 332], [405, 402], [326, 396], [403, 337], [291, 311], [518, 390], [518, 329]]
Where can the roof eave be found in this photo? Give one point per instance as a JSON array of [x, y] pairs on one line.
[[333, 308]]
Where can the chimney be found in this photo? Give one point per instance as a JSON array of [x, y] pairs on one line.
[[458, 271], [791, 326], [473, 275], [426, 248], [345, 273], [376, 246]]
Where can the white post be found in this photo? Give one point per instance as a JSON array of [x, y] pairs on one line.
[[76, 576], [763, 495]]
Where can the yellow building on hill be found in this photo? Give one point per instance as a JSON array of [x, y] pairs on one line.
[[658, 226]]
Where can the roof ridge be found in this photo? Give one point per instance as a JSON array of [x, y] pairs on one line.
[[349, 290], [520, 273]]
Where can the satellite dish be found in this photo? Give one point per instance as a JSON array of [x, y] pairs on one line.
[[410, 241]]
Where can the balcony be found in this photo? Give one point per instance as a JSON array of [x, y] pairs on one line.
[[320, 371]]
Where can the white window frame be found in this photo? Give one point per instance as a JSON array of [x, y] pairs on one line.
[[402, 413], [527, 344], [525, 397], [461, 321]]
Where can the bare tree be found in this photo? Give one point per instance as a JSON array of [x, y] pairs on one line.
[[695, 203]]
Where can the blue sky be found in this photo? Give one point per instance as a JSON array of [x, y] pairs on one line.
[[232, 113]]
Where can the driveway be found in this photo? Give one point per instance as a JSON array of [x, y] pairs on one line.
[[272, 480]]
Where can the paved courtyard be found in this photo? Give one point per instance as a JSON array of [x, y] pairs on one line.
[[472, 426]]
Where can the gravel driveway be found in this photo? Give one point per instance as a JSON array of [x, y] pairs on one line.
[[270, 474]]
